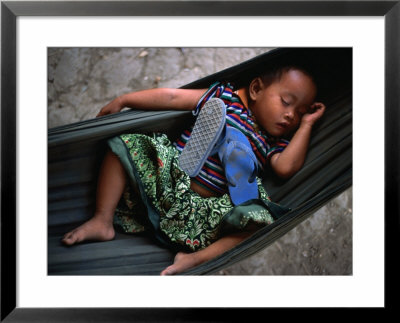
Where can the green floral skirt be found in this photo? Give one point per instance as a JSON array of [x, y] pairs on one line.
[[158, 197]]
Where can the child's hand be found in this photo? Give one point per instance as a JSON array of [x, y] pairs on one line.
[[113, 107], [316, 111]]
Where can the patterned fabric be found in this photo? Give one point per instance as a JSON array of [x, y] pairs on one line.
[[238, 116], [158, 196]]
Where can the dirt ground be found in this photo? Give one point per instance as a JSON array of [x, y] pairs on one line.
[[82, 80]]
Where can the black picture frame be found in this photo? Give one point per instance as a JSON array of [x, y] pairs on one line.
[[10, 10]]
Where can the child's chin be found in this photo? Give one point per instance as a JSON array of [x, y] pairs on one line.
[[278, 133]]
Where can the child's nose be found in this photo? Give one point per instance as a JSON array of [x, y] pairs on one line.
[[289, 114]]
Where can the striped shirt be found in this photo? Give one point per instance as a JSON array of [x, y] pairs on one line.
[[212, 175]]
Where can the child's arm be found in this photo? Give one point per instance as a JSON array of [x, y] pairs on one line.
[[155, 99], [288, 162]]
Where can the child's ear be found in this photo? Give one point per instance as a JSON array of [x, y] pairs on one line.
[[255, 87]]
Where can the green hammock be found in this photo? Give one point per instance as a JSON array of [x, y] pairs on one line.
[[75, 152]]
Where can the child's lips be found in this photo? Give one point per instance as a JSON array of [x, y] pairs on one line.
[[283, 125]]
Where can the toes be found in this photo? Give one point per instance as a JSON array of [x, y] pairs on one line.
[[90, 230], [68, 241], [70, 238], [170, 270], [66, 237]]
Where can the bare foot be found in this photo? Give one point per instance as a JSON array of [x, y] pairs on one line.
[[94, 229], [182, 262]]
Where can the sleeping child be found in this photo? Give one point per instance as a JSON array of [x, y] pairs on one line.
[[202, 194]]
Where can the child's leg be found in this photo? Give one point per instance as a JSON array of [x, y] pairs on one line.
[[184, 261], [110, 187]]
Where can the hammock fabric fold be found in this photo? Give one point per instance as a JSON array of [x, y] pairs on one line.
[[75, 152]]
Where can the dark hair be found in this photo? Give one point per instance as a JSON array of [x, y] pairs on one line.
[[271, 75]]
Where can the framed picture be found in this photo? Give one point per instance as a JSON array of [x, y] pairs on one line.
[[187, 12]]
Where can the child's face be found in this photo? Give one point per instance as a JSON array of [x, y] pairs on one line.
[[279, 107]]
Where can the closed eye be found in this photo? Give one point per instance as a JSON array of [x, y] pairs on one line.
[[285, 103]]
